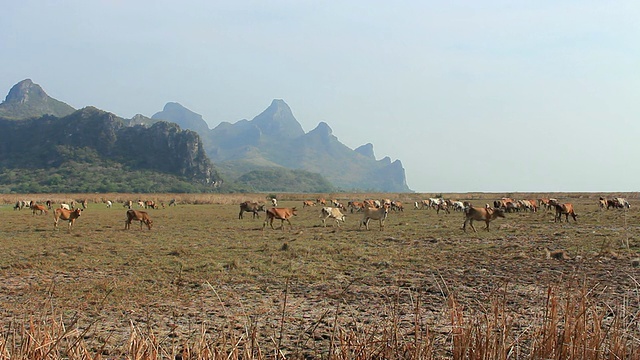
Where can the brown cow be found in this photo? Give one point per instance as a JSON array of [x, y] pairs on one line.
[[150, 204], [486, 214], [308, 203], [566, 210], [280, 214], [355, 205], [141, 216], [321, 201], [64, 214], [374, 214], [41, 208], [252, 207]]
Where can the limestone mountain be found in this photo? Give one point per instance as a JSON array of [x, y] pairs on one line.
[[28, 100], [89, 148], [274, 138]]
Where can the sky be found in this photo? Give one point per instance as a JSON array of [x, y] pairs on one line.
[[492, 96]]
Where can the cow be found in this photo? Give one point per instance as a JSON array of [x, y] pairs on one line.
[[141, 204], [442, 206], [18, 205], [65, 206], [355, 205], [252, 207], [150, 204], [128, 204], [84, 203], [41, 208], [565, 209], [139, 215], [486, 214], [64, 214], [308, 203], [172, 202], [434, 202], [374, 214], [109, 203], [458, 206], [397, 206], [618, 203], [602, 203], [274, 202], [329, 212], [321, 201], [48, 203], [280, 214]]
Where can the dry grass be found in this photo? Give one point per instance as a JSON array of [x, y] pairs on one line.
[[205, 285]]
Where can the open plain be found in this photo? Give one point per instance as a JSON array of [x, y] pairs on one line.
[[201, 275]]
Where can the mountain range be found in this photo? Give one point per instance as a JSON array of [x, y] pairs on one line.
[[274, 138], [179, 142]]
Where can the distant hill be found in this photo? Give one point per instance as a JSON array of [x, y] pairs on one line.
[[274, 138], [68, 148], [27, 100]]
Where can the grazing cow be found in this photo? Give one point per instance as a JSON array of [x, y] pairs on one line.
[[355, 205], [321, 201], [308, 203], [458, 206], [109, 203], [544, 202], [618, 203], [252, 207], [150, 204], [329, 212], [64, 214], [65, 206], [128, 204], [274, 202], [49, 202], [18, 205], [602, 203], [486, 214], [141, 216], [84, 203], [41, 208], [280, 214], [374, 214], [140, 203], [566, 210], [172, 202], [397, 206]]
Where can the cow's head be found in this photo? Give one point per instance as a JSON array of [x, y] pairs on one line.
[[149, 223]]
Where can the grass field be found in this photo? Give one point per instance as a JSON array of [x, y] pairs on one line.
[[204, 284]]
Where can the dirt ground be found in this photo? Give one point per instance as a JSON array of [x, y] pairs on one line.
[[201, 270]]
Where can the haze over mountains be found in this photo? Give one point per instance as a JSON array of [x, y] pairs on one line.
[[269, 147], [274, 138]]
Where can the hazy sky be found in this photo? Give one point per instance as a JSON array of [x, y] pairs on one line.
[[495, 96]]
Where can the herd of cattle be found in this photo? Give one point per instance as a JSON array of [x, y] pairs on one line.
[[69, 212], [377, 210]]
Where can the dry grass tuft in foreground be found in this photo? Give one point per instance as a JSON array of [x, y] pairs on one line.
[[571, 326]]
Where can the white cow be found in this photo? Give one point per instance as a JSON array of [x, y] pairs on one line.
[[109, 203], [434, 202], [330, 212], [65, 206], [274, 202]]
